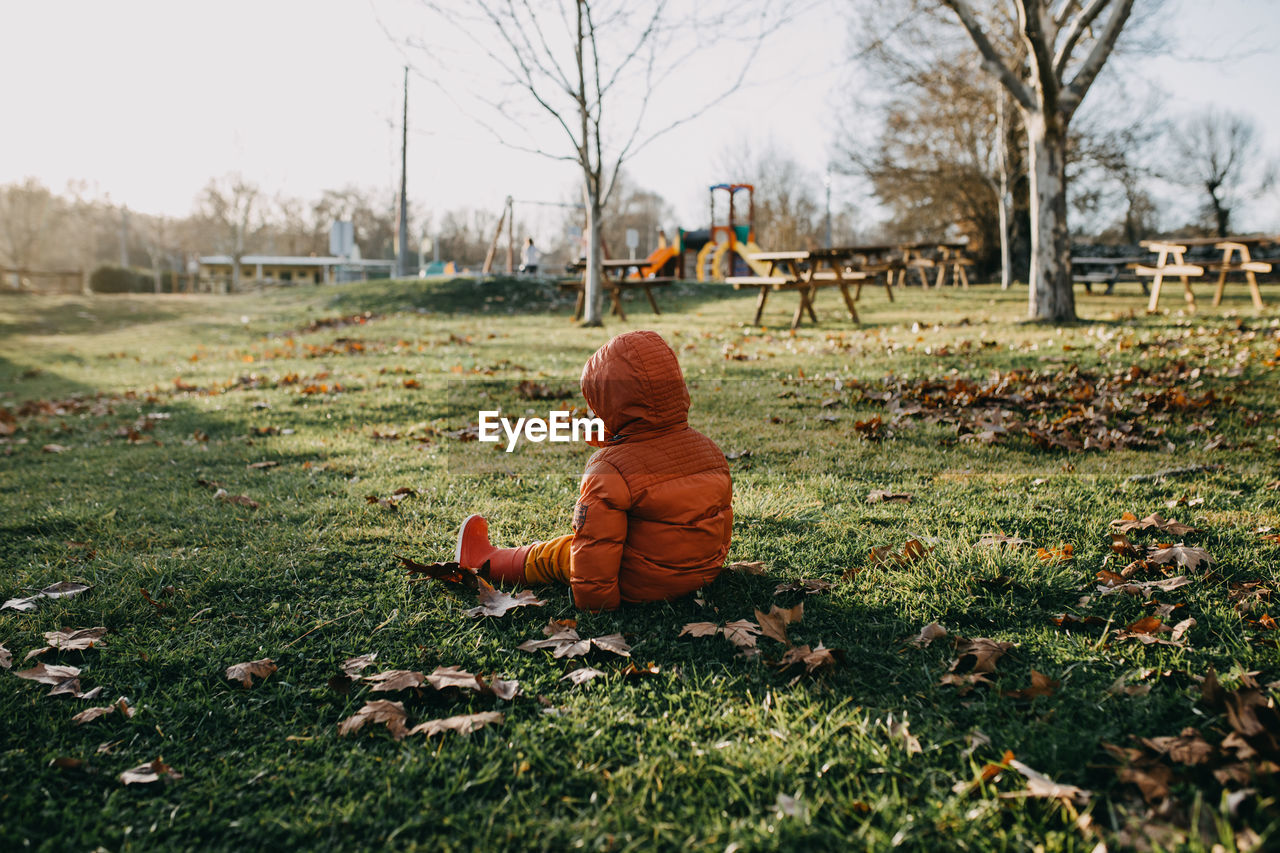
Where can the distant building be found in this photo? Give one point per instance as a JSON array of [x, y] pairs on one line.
[[294, 269]]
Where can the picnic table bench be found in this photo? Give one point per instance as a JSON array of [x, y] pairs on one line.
[[1096, 270], [616, 283], [1171, 261], [803, 272]]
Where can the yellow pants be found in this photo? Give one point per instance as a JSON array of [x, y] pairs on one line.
[[548, 562]]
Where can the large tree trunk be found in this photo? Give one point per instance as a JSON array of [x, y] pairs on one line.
[[1051, 295], [593, 291]]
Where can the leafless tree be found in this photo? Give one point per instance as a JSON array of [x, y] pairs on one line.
[[232, 204], [1063, 45], [1219, 153], [788, 205], [28, 214], [597, 72]]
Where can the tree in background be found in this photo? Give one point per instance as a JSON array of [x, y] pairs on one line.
[[1063, 45], [29, 213], [789, 210], [597, 72], [1219, 154], [231, 204]]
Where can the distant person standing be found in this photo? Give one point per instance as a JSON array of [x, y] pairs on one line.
[[529, 257]]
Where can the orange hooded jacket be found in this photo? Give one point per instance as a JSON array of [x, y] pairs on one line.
[[654, 516]]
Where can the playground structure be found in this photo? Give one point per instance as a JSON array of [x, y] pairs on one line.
[[722, 250]]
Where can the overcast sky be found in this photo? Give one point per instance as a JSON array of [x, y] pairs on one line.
[[147, 100]]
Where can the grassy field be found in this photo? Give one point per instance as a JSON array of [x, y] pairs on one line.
[[116, 407]]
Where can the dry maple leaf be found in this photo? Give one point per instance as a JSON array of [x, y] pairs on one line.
[[885, 555], [929, 633], [1041, 685], [395, 679], [809, 586], [1182, 555], [1039, 785], [979, 654], [813, 659], [881, 496], [991, 540], [354, 667], [152, 771], [62, 589], [1189, 747], [451, 676], [1155, 521], [1069, 621], [581, 675], [378, 711], [122, 705], [78, 640], [614, 643], [647, 671], [749, 568], [742, 633], [6, 658], [444, 572], [63, 678], [1144, 588], [964, 682], [1121, 545], [494, 602], [505, 690], [1060, 554], [246, 672], [700, 629], [463, 724], [774, 623]]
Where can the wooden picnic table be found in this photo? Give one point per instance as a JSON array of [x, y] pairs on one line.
[[616, 282], [929, 254], [1099, 270], [1171, 261], [804, 272]]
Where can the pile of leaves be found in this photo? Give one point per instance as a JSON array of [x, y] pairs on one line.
[[1071, 409]]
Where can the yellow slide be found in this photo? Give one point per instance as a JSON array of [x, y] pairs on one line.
[[719, 265]]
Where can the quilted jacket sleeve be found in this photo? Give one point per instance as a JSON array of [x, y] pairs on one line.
[[599, 534]]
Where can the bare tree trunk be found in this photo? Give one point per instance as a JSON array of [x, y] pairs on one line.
[[1051, 295], [1002, 191], [593, 290], [155, 271]]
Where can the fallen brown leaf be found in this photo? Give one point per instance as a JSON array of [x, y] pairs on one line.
[[700, 629], [152, 771], [504, 690], [88, 715], [444, 572], [1041, 685], [450, 676], [774, 623], [1182, 555], [1155, 521], [809, 586], [880, 496], [6, 658], [749, 568], [77, 640], [964, 682], [647, 671], [392, 680], [1189, 747], [1039, 785], [496, 603], [379, 711], [812, 659], [1144, 588], [979, 654], [992, 540], [62, 589], [1069, 621], [929, 633], [238, 500], [582, 675], [912, 551], [564, 642], [1061, 554], [463, 724], [246, 672]]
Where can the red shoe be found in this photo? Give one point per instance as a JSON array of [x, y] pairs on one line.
[[505, 565]]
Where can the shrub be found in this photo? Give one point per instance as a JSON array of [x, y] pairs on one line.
[[113, 279]]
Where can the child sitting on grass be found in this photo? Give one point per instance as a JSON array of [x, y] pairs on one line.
[[654, 515]]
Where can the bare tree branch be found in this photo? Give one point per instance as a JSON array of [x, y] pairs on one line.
[[1079, 24], [1102, 47], [994, 63]]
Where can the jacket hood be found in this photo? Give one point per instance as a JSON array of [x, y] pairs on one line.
[[634, 384]]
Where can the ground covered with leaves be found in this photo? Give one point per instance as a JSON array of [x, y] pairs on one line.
[[992, 584]]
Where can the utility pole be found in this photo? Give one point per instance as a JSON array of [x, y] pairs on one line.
[[402, 241]]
